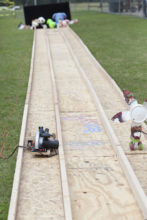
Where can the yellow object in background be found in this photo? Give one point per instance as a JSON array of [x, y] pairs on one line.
[[51, 23]]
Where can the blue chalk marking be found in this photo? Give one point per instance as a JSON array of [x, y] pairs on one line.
[[88, 121], [92, 128], [85, 143]]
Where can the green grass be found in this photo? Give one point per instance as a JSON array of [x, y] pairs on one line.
[[119, 43], [15, 55]]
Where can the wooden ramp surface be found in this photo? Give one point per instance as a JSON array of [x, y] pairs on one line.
[[97, 185]]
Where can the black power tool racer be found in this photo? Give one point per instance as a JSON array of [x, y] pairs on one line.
[[43, 142]]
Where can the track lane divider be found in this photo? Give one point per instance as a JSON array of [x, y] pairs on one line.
[[63, 172]]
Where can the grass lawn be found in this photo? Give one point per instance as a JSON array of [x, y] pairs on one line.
[[119, 43], [15, 55]]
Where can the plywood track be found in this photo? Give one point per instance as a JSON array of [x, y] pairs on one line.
[[97, 185]]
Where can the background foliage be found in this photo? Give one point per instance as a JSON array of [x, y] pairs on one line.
[[10, 2]]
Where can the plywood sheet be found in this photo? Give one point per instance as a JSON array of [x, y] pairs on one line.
[[99, 190]]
